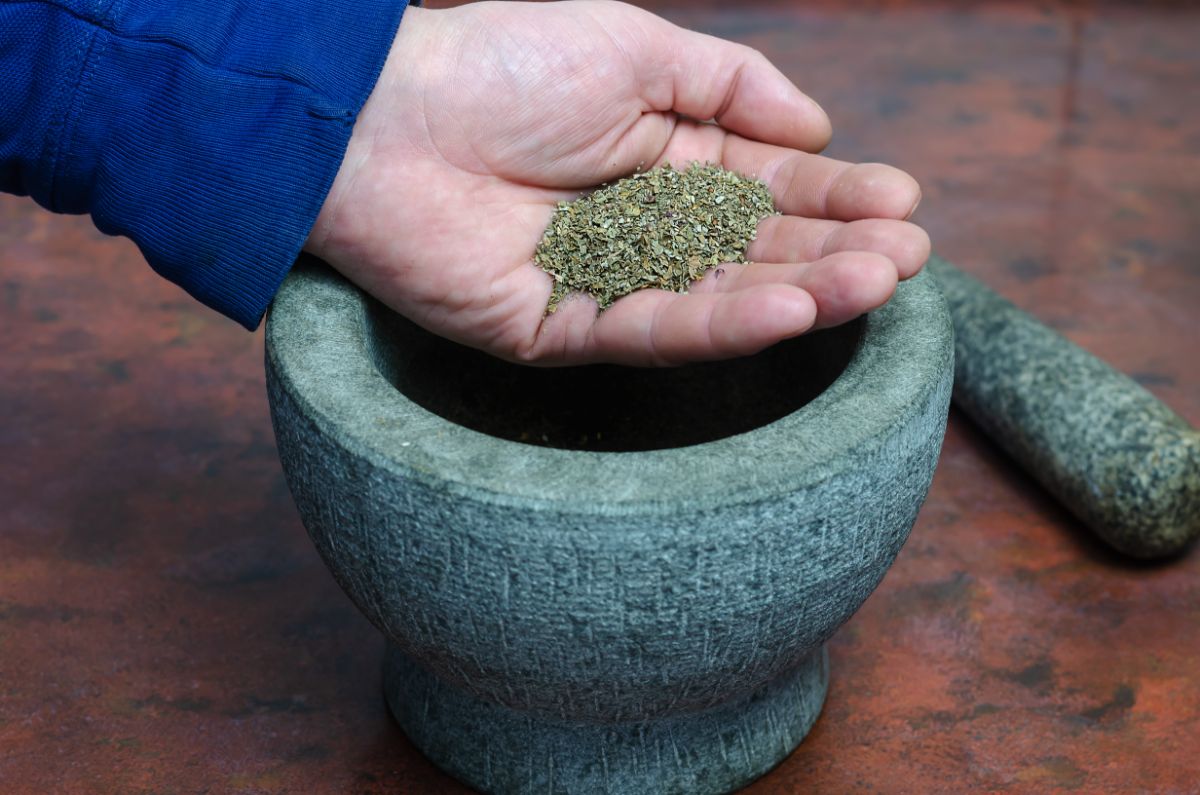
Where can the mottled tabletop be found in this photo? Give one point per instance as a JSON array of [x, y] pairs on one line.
[[166, 626]]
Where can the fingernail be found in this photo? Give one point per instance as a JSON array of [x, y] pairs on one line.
[[913, 209]]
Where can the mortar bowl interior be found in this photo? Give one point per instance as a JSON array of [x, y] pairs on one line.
[[605, 407]]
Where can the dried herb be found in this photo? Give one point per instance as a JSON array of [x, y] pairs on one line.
[[662, 229]]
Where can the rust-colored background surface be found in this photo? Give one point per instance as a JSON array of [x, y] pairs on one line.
[[165, 625]]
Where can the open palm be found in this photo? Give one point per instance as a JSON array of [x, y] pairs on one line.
[[487, 115]]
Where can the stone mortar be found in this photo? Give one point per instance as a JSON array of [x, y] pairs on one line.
[[642, 607]]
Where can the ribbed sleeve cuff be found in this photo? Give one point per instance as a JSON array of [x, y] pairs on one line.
[[210, 133]]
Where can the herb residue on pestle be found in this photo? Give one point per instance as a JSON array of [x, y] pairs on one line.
[[662, 228]]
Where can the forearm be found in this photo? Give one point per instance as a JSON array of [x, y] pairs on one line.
[[208, 132]]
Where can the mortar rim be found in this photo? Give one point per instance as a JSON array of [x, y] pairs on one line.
[[769, 463]]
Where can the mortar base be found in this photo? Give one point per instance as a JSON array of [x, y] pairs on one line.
[[499, 750]]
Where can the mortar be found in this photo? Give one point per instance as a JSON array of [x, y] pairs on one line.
[[605, 579]]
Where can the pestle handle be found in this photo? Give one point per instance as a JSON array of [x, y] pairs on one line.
[[1114, 454]]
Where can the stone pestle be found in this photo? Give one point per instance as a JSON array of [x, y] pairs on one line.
[[1111, 452]]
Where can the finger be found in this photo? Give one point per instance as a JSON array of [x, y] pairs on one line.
[[788, 238], [847, 285], [820, 187], [843, 285], [705, 77], [656, 328]]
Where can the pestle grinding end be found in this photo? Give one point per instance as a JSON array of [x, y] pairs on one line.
[[1111, 452]]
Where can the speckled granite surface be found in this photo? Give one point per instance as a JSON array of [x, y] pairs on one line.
[[1120, 459]]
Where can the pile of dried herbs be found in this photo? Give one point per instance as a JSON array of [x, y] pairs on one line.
[[662, 228]]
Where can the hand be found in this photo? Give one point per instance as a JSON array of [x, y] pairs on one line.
[[487, 115]]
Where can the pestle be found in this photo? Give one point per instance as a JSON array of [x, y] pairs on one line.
[[1111, 452]]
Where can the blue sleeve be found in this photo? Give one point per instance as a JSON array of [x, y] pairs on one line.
[[208, 131]]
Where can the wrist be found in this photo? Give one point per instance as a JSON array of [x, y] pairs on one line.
[[394, 104]]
